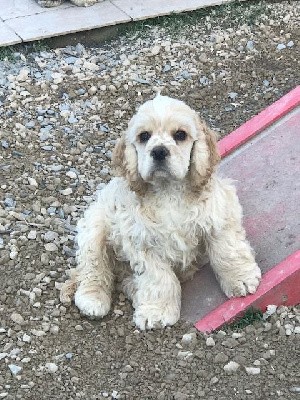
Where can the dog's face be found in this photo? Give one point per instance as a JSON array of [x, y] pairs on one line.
[[166, 140], [163, 133]]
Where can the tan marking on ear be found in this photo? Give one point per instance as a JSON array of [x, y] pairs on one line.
[[124, 162], [204, 157]]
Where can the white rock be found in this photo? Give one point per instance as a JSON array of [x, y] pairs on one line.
[[26, 338], [17, 318], [155, 50], [210, 342], [71, 174], [232, 366], [297, 329], [189, 339], [32, 182], [37, 332], [271, 309], [66, 192], [14, 369], [51, 367], [32, 235], [51, 247], [23, 75], [3, 355], [252, 370], [49, 236], [184, 355]]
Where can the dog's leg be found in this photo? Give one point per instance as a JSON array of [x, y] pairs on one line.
[[94, 270], [156, 296], [230, 254]]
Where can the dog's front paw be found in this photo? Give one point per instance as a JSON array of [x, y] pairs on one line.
[[242, 283], [151, 316], [94, 302]]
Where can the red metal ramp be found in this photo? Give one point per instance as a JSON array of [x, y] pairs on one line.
[[263, 156]]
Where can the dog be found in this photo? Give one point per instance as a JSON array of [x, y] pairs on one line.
[[164, 212]]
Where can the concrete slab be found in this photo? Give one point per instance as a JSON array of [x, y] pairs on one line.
[[59, 21], [32, 22], [7, 36], [140, 9], [265, 169], [21, 8]]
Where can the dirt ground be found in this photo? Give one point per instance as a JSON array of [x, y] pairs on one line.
[[61, 111]]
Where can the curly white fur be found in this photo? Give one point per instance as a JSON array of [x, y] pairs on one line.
[[160, 217]]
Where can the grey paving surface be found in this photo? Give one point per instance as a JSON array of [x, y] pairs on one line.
[[266, 170], [25, 20]]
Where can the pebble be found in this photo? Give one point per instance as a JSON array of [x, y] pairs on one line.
[[17, 318], [32, 182], [252, 370], [232, 366], [281, 46], [14, 369], [155, 50], [26, 338], [50, 247], [210, 342], [32, 235], [51, 367], [221, 358], [66, 192], [189, 339]]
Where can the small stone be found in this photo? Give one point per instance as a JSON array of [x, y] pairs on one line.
[[189, 339], [281, 46], [210, 342], [232, 366], [14, 369], [220, 358], [297, 329], [26, 338], [51, 247], [232, 95], [51, 367], [128, 368], [250, 45], [155, 50], [32, 235], [252, 370], [295, 389], [66, 192], [17, 318], [32, 182], [71, 174], [54, 329], [78, 328], [290, 43]]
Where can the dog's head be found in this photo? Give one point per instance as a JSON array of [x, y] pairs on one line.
[[166, 140]]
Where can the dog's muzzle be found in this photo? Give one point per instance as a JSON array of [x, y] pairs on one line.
[[159, 153]]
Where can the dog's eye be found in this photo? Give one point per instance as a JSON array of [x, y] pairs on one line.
[[144, 136], [179, 136]]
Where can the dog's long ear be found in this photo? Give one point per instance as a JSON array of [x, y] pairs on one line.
[[204, 156], [125, 163]]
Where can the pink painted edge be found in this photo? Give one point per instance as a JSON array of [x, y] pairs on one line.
[[259, 122], [232, 308]]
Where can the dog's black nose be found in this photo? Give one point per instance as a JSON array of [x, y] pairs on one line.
[[159, 153]]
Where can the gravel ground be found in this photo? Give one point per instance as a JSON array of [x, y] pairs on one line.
[[60, 113]]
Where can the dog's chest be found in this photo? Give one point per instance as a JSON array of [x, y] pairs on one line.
[[167, 229]]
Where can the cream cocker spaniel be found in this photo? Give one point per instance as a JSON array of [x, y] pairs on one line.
[[152, 225]]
